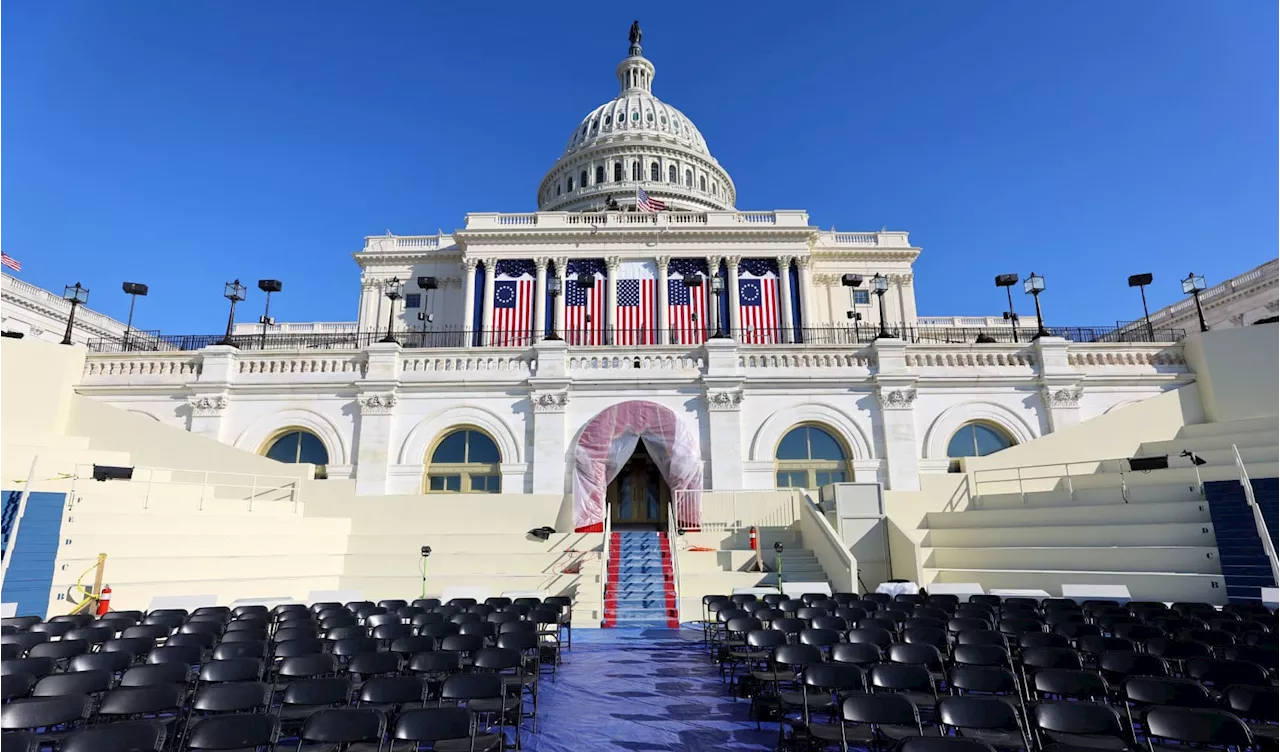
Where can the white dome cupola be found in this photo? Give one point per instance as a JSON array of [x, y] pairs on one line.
[[635, 141]]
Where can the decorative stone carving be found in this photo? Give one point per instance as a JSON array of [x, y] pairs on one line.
[[1237, 319], [826, 280], [470, 264], [454, 282], [549, 402], [662, 261], [896, 399], [541, 262], [732, 261], [613, 262], [804, 262], [724, 399], [1273, 306], [207, 406], [1064, 397], [377, 404]]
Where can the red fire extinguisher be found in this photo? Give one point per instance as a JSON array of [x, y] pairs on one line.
[[104, 601], [755, 540]]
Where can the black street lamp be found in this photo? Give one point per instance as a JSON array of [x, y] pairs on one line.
[[393, 293], [1192, 285], [1141, 281], [1007, 281], [717, 289], [233, 291], [880, 285], [554, 285], [1033, 286], [268, 286], [76, 296], [853, 281], [132, 289]]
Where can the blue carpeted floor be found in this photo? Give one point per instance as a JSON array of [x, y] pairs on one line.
[[641, 690]]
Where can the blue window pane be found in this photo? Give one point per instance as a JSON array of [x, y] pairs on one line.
[[437, 483], [413, 300], [988, 440], [452, 449], [861, 297], [822, 446], [285, 448], [312, 450], [453, 482], [482, 449], [793, 446], [962, 444]]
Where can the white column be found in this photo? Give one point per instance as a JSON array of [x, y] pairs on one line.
[[562, 271], [611, 297], [724, 396], [487, 320], [1060, 390], [549, 397], [540, 299], [784, 277], [209, 401], [806, 292], [377, 403], [896, 393], [468, 299], [735, 320], [663, 322]]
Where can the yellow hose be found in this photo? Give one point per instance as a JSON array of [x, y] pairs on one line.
[[84, 591]]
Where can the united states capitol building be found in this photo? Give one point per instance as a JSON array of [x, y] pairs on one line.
[[745, 348]]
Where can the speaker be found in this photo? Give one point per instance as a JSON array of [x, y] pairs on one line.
[[109, 472], [1146, 464]]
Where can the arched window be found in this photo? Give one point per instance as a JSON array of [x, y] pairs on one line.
[[583, 178], [635, 170], [599, 174], [569, 187], [688, 178], [810, 457], [977, 440], [464, 461], [294, 445], [671, 174], [617, 172], [702, 183], [655, 172]]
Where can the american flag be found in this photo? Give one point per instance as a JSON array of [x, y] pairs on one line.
[[687, 307], [584, 308], [512, 312], [646, 204], [637, 292], [10, 262], [758, 303]]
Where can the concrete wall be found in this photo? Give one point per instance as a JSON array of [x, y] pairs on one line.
[[38, 378], [1236, 370]]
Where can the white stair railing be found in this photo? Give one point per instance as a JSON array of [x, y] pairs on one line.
[[1259, 523], [604, 559], [673, 530]]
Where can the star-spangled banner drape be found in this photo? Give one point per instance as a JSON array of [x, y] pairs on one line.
[[687, 307], [513, 303], [584, 308], [758, 304], [633, 320]]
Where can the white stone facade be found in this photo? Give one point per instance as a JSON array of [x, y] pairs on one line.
[[39, 314]]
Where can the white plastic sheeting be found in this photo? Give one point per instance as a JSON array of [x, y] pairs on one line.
[[608, 441]]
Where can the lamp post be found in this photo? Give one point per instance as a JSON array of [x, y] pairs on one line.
[[132, 289], [1141, 281], [1007, 281], [1033, 286], [880, 285], [1192, 285], [233, 291], [393, 293], [853, 281], [426, 284], [717, 288], [268, 286], [76, 296], [554, 285]]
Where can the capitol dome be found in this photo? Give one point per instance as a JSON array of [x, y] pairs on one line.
[[635, 141]]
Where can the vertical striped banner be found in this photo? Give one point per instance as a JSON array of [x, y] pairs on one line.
[[758, 311], [513, 289], [584, 309], [637, 298], [688, 307]]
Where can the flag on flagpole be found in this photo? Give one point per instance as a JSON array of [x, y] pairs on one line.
[[758, 305], [633, 318], [646, 204], [584, 307], [10, 262], [687, 307], [513, 293]]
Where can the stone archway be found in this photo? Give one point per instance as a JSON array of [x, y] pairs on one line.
[[607, 442]]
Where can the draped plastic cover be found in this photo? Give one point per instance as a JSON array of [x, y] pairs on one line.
[[608, 441]]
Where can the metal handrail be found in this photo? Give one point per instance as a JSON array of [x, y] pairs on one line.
[[672, 533], [1259, 523], [604, 559], [1065, 474], [259, 486]]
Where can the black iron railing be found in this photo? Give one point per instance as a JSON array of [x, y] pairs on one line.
[[450, 337]]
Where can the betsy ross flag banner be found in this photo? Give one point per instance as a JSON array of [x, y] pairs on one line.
[[11, 262], [687, 307], [637, 297], [584, 308], [758, 303], [646, 204], [513, 303]]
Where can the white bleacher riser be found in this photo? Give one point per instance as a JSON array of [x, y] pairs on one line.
[[1195, 560], [1142, 585], [1200, 444], [1170, 534], [1111, 514], [961, 590], [1081, 593]]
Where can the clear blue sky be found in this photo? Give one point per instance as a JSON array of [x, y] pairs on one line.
[[182, 144]]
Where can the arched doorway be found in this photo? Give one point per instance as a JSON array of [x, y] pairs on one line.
[[639, 497], [610, 441]]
